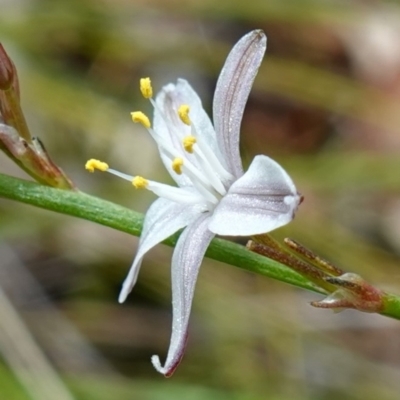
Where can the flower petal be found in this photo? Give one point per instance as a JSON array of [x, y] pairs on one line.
[[168, 125], [186, 261], [233, 88], [162, 220], [263, 199]]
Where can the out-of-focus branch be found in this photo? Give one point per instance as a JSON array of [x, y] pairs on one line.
[[26, 359]]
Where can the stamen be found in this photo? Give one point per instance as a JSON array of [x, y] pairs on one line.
[[209, 162], [141, 118], [211, 158], [183, 113], [213, 178], [139, 182], [120, 174], [200, 182], [176, 194], [93, 164], [174, 131], [188, 143], [205, 179], [146, 88], [177, 165], [169, 150]]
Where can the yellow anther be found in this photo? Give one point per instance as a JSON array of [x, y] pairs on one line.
[[141, 118], [188, 143], [93, 164], [139, 182], [145, 88], [177, 165], [183, 112]]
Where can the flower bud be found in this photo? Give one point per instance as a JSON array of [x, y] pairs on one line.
[[7, 70], [352, 292]]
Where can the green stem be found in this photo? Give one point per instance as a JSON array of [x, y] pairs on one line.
[[391, 305], [91, 208], [84, 206]]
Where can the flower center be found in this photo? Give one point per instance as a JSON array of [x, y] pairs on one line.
[[204, 170]]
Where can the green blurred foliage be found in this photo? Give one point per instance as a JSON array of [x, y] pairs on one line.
[[325, 105]]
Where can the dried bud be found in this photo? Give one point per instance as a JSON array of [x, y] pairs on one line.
[[15, 138], [10, 109], [353, 292], [7, 70], [347, 290], [32, 158]]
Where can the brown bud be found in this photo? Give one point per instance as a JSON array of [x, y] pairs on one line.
[[352, 292], [7, 70]]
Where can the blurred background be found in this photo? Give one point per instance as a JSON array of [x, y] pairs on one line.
[[326, 105]]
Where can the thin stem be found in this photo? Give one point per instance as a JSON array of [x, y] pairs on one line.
[[87, 207], [91, 208], [391, 305]]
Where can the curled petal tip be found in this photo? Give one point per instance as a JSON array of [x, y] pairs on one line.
[[186, 261], [167, 370], [155, 360]]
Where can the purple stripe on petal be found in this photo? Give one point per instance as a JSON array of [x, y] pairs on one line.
[[186, 261], [231, 94]]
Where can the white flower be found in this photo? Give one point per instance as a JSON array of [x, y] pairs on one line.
[[214, 195]]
